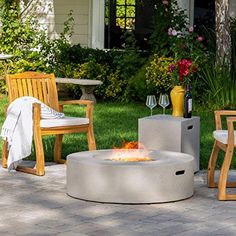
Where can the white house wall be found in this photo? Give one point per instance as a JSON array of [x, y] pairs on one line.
[[54, 13], [188, 6], [81, 18]]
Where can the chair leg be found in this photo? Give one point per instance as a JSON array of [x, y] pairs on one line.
[[40, 163], [223, 176], [211, 166], [57, 149], [91, 139], [4, 154]]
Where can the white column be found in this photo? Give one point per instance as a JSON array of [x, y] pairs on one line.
[[97, 8], [188, 5], [232, 8]]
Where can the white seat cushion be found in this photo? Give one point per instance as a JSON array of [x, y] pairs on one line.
[[222, 136], [66, 121]]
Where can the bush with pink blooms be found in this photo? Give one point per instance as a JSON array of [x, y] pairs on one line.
[[173, 36], [187, 44], [167, 14]]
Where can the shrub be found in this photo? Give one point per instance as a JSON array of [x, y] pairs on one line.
[[220, 85], [167, 15], [18, 37], [159, 75], [115, 89], [137, 88], [187, 44]]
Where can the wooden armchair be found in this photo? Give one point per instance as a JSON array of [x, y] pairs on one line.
[[226, 141], [43, 87]]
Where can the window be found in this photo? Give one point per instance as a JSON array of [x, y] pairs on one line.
[[127, 15], [119, 17], [204, 14]]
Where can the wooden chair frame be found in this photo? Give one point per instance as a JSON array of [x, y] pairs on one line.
[[229, 151], [43, 87]]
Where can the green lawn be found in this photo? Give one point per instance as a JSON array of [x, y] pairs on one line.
[[115, 123]]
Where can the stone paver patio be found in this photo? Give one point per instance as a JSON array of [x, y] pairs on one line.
[[32, 205]]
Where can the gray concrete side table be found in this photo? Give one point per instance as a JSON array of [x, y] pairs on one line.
[[165, 132], [87, 86]]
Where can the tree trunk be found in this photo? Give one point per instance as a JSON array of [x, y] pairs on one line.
[[223, 40]]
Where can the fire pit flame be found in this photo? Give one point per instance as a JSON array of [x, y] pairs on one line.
[[130, 152]]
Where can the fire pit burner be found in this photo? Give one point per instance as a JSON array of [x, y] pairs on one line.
[[93, 176]]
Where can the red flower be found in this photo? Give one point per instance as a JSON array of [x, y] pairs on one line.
[[184, 66], [199, 38], [182, 70]]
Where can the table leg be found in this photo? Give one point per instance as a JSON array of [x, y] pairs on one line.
[[87, 92]]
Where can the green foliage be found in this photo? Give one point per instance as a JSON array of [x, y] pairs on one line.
[[2, 82], [188, 45], [220, 85], [18, 37], [173, 36], [166, 16], [137, 88], [54, 51], [90, 70], [219, 81], [159, 75], [114, 90]]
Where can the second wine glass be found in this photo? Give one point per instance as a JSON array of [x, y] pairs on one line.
[[164, 102]]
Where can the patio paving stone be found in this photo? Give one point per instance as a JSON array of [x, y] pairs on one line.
[[39, 206]]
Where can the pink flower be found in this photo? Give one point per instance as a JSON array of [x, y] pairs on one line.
[[190, 29], [199, 38], [170, 31], [174, 32], [165, 2], [171, 67]]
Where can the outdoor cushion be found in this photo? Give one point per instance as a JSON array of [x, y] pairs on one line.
[[222, 136], [49, 113], [66, 121]]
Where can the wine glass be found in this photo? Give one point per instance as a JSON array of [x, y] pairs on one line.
[[151, 102], [164, 102]]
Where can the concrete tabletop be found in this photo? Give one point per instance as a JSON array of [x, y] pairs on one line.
[[78, 81]]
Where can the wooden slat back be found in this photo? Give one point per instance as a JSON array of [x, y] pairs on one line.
[[39, 85]]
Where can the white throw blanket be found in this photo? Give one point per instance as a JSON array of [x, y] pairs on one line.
[[17, 129]]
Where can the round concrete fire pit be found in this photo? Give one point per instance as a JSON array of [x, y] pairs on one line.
[[93, 176]]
